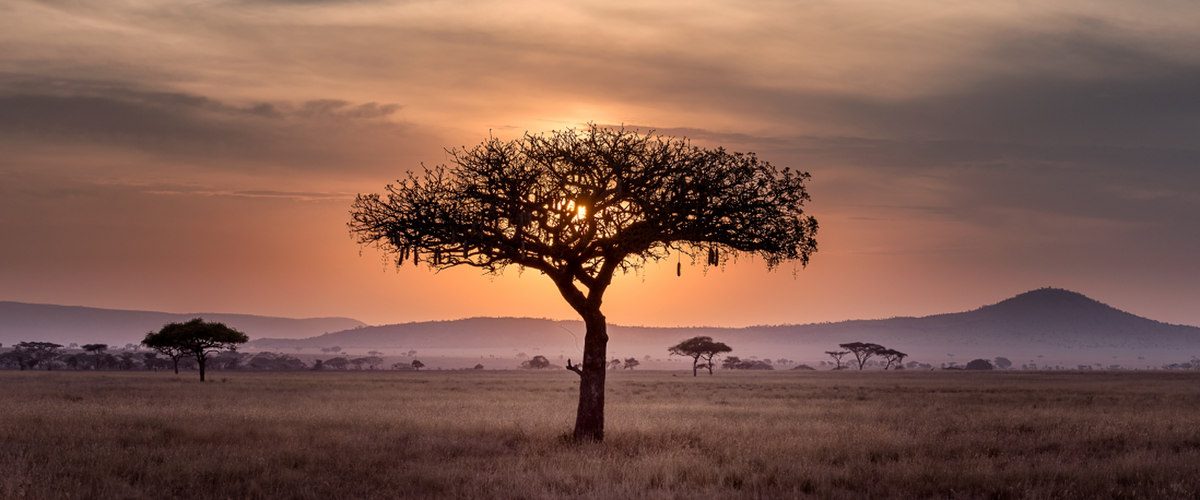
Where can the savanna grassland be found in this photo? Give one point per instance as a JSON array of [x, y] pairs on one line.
[[471, 434]]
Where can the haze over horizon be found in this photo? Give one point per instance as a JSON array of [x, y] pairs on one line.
[[203, 156]]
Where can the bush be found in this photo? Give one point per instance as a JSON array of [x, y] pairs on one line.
[[979, 364]]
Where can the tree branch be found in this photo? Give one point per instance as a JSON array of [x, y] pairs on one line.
[[574, 368]]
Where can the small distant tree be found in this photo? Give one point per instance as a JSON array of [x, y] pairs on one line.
[[358, 363], [274, 361], [734, 363], [980, 364], [151, 361], [614, 364], [1003, 363], [893, 357], [862, 351], [170, 350], [231, 360], [538, 362], [374, 362], [32, 354], [338, 363], [837, 357], [479, 366], [72, 361], [97, 350], [126, 361], [699, 348], [630, 363], [417, 364], [198, 338]]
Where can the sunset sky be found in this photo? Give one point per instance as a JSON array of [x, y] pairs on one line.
[[202, 156]]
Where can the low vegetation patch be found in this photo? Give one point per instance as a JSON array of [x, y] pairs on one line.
[[484, 434]]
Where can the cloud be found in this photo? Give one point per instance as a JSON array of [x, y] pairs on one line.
[[312, 135]]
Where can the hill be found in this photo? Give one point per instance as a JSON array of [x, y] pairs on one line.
[[65, 324], [1045, 326]]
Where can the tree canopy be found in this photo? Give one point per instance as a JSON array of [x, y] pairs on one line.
[[97, 349], [196, 338], [699, 348], [31, 354], [580, 205], [862, 351]]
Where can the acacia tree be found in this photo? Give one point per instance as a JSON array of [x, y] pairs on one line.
[[155, 341], [699, 348], [862, 351], [837, 357], [197, 338], [580, 205], [31, 354], [893, 357], [97, 349]]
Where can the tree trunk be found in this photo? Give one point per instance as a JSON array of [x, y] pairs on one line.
[[695, 361], [176, 360], [589, 420], [200, 359]]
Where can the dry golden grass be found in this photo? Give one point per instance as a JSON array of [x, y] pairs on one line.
[[501, 435]]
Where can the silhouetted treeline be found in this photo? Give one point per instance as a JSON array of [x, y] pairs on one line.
[[50, 356]]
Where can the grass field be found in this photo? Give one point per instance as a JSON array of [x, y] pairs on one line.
[[470, 434]]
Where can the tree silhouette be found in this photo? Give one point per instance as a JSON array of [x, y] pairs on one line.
[[580, 205], [630, 363], [536, 363], [982, 364], [893, 357], [197, 338], [837, 357], [97, 349], [31, 354], [699, 348], [862, 351], [168, 349]]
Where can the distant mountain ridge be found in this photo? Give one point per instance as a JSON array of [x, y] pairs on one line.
[[21, 321], [1039, 321], [1045, 322]]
